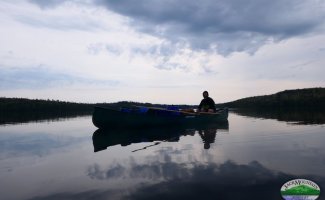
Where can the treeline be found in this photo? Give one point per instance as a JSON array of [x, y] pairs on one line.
[[311, 98], [296, 116], [132, 104], [37, 105], [16, 110]]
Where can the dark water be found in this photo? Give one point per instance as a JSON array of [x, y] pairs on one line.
[[251, 157]]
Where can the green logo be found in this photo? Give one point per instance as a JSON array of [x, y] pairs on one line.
[[300, 189]]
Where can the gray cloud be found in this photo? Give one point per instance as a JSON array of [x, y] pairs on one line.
[[59, 23], [96, 48], [48, 3], [162, 54], [223, 26], [41, 77]]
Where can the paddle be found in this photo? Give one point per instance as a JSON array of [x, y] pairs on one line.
[[156, 143], [212, 113]]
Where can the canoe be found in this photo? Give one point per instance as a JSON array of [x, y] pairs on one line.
[[148, 116]]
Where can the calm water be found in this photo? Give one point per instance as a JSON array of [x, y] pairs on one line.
[[249, 158]]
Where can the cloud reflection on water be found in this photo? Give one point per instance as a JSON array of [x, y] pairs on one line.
[[228, 180]]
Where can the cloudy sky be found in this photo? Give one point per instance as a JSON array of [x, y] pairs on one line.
[[159, 51]]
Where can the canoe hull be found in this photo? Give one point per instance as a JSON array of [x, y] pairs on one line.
[[108, 118]]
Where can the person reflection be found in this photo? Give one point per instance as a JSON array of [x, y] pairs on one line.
[[208, 136]]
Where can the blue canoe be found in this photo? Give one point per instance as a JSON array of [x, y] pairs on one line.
[[148, 116]]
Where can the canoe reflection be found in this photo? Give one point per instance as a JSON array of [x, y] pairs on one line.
[[104, 138]]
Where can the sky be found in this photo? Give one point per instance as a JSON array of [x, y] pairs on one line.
[[159, 51]]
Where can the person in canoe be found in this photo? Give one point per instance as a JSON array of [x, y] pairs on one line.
[[207, 104]]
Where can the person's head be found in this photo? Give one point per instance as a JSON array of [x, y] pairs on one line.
[[205, 94]]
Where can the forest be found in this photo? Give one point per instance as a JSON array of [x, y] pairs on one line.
[[311, 98]]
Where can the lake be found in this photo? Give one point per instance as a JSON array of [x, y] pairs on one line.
[[250, 157]]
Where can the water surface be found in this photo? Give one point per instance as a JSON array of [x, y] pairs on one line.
[[251, 157]]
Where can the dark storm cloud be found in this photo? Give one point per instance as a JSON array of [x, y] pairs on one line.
[[224, 26], [217, 25]]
